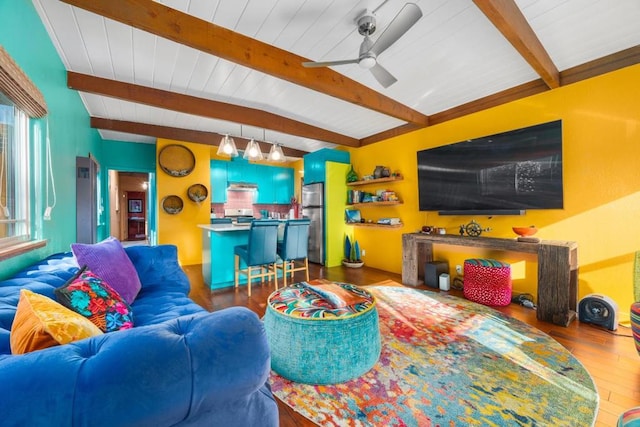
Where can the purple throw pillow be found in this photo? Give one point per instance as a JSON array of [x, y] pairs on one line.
[[108, 260]]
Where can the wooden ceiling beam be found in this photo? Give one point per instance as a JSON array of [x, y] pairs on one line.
[[613, 62], [158, 19], [203, 107], [509, 20], [188, 135]]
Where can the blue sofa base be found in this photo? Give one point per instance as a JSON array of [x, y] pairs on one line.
[[179, 365]]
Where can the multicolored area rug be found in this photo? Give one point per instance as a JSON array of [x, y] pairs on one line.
[[447, 361]]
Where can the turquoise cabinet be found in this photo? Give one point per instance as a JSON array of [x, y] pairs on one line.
[[283, 185], [314, 163], [275, 184], [218, 181], [265, 184]]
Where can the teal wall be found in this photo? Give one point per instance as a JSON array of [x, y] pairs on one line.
[[24, 37]]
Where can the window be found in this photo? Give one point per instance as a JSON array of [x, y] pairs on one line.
[[14, 175]]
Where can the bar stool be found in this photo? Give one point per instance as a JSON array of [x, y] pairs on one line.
[[221, 221], [259, 254], [294, 247]]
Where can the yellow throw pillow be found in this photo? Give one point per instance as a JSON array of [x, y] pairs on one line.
[[40, 322]]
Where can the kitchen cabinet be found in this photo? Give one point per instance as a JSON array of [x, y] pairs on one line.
[[218, 181], [275, 184], [265, 184], [283, 185], [315, 163]]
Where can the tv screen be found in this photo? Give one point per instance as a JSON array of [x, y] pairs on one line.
[[506, 172]]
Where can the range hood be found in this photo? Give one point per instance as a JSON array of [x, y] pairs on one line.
[[242, 186]]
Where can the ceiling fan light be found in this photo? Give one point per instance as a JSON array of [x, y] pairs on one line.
[[367, 62], [276, 154], [227, 147], [253, 152]]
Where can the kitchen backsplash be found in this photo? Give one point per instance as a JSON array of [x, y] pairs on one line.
[[244, 200]]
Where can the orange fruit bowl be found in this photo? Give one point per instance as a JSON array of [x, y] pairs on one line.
[[525, 231]]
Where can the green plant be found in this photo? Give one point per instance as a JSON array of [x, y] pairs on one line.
[[351, 250]]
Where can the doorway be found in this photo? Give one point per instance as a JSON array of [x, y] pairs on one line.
[[131, 217]]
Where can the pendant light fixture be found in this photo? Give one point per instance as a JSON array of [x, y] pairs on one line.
[[253, 152], [276, 154], [227, 147]]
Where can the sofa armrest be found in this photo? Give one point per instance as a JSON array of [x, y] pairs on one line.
[[151, 375]]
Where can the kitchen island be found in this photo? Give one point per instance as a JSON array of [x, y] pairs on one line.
[[218, 241]]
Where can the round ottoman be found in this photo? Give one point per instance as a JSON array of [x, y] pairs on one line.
[[630, 418], [635, 324], [322, 332], [487, 281]]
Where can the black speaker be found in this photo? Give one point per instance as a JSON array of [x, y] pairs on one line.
[[432, 272]]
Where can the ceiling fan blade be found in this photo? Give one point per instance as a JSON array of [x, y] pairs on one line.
[[405, 19], [382, 75], [329, 63]]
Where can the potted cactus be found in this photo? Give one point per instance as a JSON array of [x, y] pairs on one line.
[[351, 253]]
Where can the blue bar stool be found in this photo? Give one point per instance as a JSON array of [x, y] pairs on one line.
[[259, 254], [294, 248], [221, 221]]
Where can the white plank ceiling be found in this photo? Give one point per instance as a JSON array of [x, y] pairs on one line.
[[452, 56]]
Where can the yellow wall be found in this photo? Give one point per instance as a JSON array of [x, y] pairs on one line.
[[181, 229], [601, 143], [335, 192]]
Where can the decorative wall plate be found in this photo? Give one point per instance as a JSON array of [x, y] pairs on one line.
[[172, 204], [176, 160], [198, 193]]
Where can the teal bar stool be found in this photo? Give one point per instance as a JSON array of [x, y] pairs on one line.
[[221, 221], [294, 248], [259, 254]]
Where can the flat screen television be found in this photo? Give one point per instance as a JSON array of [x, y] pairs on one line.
[[506, 173]]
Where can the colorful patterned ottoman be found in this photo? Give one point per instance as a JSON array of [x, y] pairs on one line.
[[487, 281], [322, 332]]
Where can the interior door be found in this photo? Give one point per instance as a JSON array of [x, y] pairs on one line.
[[86, 200]]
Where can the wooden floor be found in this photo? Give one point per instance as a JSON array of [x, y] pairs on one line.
[[610, 357]]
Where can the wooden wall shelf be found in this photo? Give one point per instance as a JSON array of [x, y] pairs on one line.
[[358, 205], [373, 224], [374, 181]]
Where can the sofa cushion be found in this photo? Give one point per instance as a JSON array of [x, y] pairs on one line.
[[109, 260], [89, 295], [40, 322]]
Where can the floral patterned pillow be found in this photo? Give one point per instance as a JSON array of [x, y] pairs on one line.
[[90, 296]]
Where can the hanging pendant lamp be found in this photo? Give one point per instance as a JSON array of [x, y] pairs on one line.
[[276, 154], [227, 147], [252, 151]]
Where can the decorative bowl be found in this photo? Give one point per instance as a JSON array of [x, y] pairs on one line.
[[525, 231]]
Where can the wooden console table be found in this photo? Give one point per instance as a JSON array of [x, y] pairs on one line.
[[557, 268]]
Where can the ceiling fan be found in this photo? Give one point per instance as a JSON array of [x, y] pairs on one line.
[[369, 50]]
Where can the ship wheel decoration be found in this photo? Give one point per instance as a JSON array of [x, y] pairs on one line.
[[473, 229]]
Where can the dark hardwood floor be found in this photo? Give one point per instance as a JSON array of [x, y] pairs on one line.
[[610, 358]]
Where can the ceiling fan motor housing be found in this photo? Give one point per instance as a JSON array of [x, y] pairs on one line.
[[367, 24], [598, 310]]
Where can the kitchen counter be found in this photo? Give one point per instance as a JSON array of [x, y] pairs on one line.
[[223, 228], [218, 241]]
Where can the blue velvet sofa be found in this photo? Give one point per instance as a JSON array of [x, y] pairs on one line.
[[179, 365]]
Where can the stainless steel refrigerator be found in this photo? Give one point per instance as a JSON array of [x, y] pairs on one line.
[[313, 208]]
